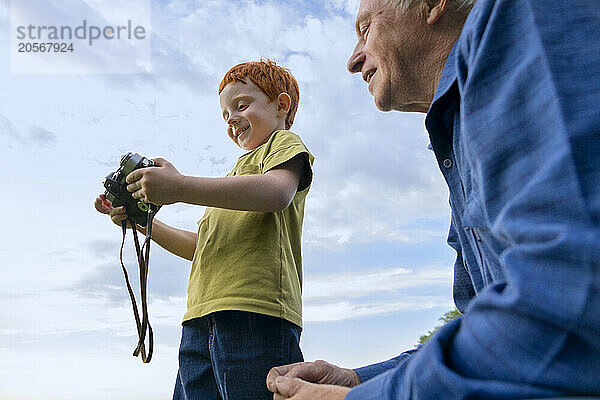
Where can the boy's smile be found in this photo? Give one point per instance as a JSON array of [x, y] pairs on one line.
[[251, 117]]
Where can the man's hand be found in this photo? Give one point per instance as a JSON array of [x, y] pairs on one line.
[[158, 185], [318, 372], [297, 389]]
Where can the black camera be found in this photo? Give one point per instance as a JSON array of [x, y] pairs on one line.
[[116, 188]]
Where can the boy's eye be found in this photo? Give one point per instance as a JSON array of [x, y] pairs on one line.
[[242, 107]]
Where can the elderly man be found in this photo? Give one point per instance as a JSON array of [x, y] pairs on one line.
[[511, 89]]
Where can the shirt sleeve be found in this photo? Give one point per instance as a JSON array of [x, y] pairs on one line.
[[370, 371], [284, 146], [529, 78]]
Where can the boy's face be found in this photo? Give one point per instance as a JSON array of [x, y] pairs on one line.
[[251, 118]]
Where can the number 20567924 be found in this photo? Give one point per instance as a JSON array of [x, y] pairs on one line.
[[26, 47]]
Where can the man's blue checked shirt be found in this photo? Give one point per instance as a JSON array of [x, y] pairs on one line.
[[515, 127]]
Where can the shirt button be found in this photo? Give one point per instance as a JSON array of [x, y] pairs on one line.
[[447, 163]]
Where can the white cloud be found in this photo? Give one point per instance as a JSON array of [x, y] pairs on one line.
[[41, 136], [339, 297], [346, 310], [349, 6], [359, 285], [8, 130], [92, 373]]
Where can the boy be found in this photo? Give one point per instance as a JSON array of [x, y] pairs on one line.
[[244, 293]]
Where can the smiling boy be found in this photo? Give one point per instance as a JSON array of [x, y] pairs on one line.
[[244, 312]]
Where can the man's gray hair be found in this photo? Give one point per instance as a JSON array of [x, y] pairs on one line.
[[459, 5]]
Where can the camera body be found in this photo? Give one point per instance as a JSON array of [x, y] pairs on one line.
[[116, 188]]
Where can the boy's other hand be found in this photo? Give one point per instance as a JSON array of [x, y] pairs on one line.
[[103, 205], [157, 185]]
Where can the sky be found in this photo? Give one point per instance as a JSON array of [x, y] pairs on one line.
[[377, 270]]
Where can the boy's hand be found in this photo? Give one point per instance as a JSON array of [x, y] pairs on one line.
[[102, 204], [117, 214], [157, 185]]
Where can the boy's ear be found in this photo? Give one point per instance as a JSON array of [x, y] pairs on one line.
[[284, 102]]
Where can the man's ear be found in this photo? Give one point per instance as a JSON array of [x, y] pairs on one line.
[[435, 10], [284, 103]]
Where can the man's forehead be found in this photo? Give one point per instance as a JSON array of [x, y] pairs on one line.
[[366, 9]]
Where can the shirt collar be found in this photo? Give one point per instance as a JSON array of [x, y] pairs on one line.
[[437, 121]]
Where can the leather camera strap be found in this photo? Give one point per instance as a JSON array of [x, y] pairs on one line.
[[143, 256]]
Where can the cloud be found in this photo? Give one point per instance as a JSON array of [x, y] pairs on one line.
[[339, 297], [36, 135], [66, 313], [214, 161], [42, 137], [348, 6], [103, 248], [346, 310], [8, 129], [167, 274], [361, 285]]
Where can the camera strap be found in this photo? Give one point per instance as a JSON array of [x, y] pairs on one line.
[[143, 257]]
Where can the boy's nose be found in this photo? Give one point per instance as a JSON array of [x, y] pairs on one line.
[[232, 120]]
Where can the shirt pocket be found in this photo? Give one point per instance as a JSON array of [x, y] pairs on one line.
[[486, 247], [248, 169], [473, 216]]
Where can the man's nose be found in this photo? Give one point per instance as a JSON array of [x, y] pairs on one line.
[[357, 59]]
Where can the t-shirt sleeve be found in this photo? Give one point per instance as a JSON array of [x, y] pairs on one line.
[[284, 146]]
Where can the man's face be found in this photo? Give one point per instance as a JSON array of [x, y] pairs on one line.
[[390, 55], [250, 116]]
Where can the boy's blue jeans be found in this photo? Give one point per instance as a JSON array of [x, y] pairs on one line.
[[227, 355]]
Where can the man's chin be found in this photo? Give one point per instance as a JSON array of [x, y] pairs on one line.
[[413, 107], [382, 103]]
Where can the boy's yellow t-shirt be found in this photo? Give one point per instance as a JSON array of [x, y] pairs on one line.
[[249, 260]]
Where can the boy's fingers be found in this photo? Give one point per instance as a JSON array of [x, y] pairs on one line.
[[132, 187], [118, 211], [134, 176], [160, 162], [106, 202], [101, 207]]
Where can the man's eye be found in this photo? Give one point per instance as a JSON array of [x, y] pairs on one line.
[[365, 33]]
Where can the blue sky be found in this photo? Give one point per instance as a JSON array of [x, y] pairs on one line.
[[377, 269]]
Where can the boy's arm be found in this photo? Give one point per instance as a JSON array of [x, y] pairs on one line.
[[272, 191], [177, 241]]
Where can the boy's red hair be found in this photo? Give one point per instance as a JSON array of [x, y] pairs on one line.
[[270, 78]]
